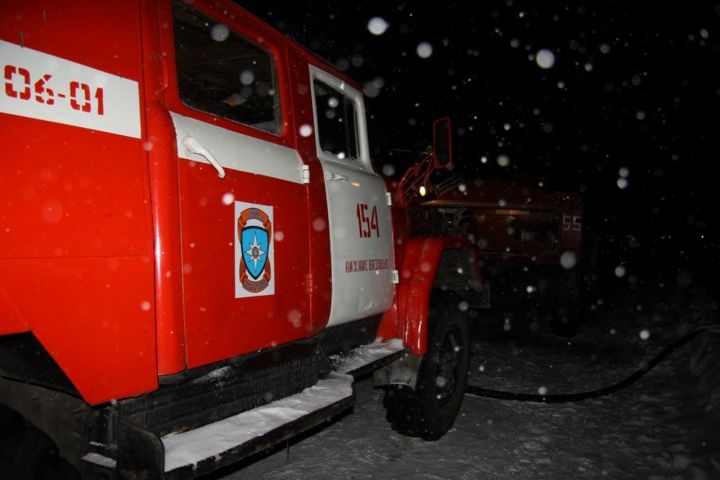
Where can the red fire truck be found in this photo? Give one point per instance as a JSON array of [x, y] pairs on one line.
[[196, 256], [529, 242]]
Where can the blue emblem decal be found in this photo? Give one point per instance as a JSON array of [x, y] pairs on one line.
[[255, 249]]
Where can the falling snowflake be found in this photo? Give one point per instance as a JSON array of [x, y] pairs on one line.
[[306, 130], [228, 198], [568, 260], [545, 58], [220, 32], [377, 25], [424, 50]]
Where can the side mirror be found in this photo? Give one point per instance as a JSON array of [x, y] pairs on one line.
[[442, 142]]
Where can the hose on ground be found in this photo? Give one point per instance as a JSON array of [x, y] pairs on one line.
[[574, 397]]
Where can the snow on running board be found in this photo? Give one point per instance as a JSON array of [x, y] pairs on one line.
[[189, 448], [101, 460], [365, 355]]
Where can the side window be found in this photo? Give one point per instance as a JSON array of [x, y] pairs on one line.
[[336, 121], [223, 74]]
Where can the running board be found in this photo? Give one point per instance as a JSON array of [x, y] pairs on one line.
[[367, 358], [205, 449], [202, 450]]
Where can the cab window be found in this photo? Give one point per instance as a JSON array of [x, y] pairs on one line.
[[221, 73], [336, 121]]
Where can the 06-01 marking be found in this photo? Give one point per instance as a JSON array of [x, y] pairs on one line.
[[35, 84], [19, 84]]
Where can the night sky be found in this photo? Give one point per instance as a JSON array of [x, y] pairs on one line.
[[577, 95]]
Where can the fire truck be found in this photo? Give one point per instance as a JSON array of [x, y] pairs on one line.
[[197, 259], [529, 242]]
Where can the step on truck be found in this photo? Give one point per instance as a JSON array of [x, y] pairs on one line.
[[197, 258]]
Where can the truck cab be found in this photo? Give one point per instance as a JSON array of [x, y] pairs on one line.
[[191, 232]]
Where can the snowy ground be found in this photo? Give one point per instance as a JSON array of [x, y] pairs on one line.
[[665, 426]]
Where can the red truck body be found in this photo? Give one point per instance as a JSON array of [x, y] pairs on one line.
[[184, 191]]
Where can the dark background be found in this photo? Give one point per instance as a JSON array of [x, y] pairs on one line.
[[634, 85]]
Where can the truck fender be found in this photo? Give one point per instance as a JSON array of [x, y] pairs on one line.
[[420, 265], [428, 263]]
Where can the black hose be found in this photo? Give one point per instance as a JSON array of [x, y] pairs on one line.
[[574, 397]]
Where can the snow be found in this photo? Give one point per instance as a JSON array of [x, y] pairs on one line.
[[377, 25], [213, 375], [664, 426], [98, 459], [545, 58], [365, 355], [424, 50], [189, 448]]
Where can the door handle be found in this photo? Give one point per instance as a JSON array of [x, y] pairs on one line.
[[196, 147], [335, 177]]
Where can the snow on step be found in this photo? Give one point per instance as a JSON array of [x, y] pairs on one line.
[[189, 448], [100, 460], [365, 355]]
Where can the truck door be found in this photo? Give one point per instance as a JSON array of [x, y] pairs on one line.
[[243, 201], [361, 246]]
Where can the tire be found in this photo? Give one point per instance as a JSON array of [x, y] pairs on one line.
[[430, 410], [26, 453]]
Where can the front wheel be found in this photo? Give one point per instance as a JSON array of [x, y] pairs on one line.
[[26, 453], [430, 410]]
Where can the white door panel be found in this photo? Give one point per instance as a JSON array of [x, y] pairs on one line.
[[361, 250], [361, 245]]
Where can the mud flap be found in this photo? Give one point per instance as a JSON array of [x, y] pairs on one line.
[[141, 455]]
